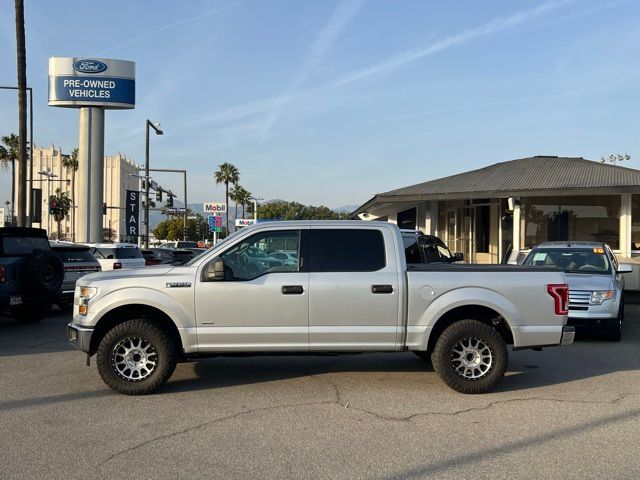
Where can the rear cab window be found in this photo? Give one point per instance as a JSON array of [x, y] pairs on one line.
[[18, 246], [347, 250]]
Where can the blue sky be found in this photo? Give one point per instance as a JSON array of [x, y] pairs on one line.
[[329, 102]]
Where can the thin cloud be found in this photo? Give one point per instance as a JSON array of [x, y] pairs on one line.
[[166, 27], [342, 16], [492, 27]]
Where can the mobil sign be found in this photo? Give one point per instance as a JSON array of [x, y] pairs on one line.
[[244, 222], [214, 207]]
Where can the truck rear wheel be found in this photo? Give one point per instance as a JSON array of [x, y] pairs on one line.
[[470, 357], [136, 357]]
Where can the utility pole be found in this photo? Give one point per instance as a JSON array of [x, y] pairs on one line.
[[21, 54], [158, 131]]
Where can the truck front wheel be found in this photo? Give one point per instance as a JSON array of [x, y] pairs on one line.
[[136, 357], [470, 357]]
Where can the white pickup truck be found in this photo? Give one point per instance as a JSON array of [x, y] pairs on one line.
[[350, 290]]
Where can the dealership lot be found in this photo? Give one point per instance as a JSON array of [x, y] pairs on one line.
[[571, 412]]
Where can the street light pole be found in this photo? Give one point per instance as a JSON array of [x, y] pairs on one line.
[[255, 208], [49, 175], [158, 131]]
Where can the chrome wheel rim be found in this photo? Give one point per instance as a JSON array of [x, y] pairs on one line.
[[134, 358], [471, 358]]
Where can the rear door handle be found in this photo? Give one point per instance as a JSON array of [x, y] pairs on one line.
[[292, 290], [381, 288]]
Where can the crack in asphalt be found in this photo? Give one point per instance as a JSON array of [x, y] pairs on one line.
[[338, 400]]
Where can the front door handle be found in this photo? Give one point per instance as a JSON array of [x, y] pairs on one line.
[[381, 288], [292, 290]]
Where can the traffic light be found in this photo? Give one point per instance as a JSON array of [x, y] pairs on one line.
[[143, 185], [159, 195], [104, 208], [169, 201]]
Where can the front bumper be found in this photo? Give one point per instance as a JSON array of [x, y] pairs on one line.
[[568, 335], [590, 323], [80, 337]]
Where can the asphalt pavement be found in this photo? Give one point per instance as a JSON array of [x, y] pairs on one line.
[[564, 413]]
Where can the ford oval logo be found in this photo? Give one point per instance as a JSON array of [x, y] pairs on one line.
[[89, 66]]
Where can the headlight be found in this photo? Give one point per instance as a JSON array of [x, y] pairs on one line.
[[599, 296], [87, 292], [82, 296]]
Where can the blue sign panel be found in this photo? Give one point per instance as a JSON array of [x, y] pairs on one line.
[[96, 89]]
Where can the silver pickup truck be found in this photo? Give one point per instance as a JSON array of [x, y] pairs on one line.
[[348, 290]]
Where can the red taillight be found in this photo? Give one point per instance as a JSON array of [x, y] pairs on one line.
[[560, 294], [117, 266], [3, 274]]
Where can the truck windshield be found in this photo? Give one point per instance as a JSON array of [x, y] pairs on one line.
[[578, 260], [23, 245]]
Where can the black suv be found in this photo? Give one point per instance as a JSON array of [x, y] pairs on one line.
[[30, 273], [421, 248]]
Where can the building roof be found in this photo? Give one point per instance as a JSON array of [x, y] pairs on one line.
[[549, 174]]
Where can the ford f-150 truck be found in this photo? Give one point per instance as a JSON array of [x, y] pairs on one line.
[[349, 291]]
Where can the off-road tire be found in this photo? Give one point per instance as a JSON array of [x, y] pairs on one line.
[[33, 311], [443, 355], [164, 346], [42, 273]]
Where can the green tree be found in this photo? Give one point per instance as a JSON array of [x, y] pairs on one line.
[[70, 163], [59, 206], [227, 173], [171, 229], [282, 210], [9, 157]]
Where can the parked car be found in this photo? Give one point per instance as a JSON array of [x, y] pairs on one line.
[[30, 273], [173, 257], [596, 284], [117, 256], [421, 248], [285, 257], [77, 261], [352, 291], [179, 244], [150, 258]]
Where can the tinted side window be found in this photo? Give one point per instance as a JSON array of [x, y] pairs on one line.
[[342, 250], [430, 252], [411, 250]]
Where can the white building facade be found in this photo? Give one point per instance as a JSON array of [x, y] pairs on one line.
[[50, 174]]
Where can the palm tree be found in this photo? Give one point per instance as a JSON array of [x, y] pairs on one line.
[[233, 195], [9, 156], [70, 162], [227, 173], [59, 205], [21, 55], [243, 196]]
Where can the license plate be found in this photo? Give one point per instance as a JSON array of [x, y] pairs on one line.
[[15, 300]]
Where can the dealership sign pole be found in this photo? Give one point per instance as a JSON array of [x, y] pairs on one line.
[[92, 85]]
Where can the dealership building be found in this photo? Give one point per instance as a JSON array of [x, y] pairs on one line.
[[494, 212]]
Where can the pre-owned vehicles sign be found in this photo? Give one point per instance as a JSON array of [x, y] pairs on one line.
[[77, 82]]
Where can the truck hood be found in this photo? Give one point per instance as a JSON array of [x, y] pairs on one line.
[[126, 274], [582, 281]]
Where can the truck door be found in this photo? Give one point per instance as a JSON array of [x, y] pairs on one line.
[[353, 289], [263, 303]]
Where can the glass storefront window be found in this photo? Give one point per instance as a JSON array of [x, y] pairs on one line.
[[635, 222], [580, 218]]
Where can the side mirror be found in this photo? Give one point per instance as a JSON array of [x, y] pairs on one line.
[[214, 271], [458, 257], [625, 268]]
